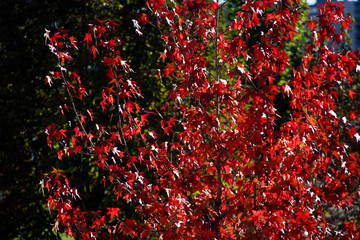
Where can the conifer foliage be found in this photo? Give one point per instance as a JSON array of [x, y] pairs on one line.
[[220, 167]]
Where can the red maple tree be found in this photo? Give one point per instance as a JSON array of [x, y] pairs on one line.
[[226, 169]]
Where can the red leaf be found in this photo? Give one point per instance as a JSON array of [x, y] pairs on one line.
[[169, 69], [352, 115], [142, 18], [98, 223], [60, 154], [312, 25], [73, 41], [90, 114], [113, 212], [131, 161], [93, 50], [352, 93], [87, 38]]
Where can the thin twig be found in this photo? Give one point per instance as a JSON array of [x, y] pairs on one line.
[[74, 107]]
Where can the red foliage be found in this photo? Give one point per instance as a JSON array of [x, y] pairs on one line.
[[229, 173]]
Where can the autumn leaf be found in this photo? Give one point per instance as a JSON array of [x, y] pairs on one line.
[[352, 93], [312, 25], [142, 18], [87, 38], [113, 212]]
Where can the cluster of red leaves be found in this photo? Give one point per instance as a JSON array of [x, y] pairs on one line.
[[95, 141], [229, 173]]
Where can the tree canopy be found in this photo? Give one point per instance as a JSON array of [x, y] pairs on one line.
[[180, 119]]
